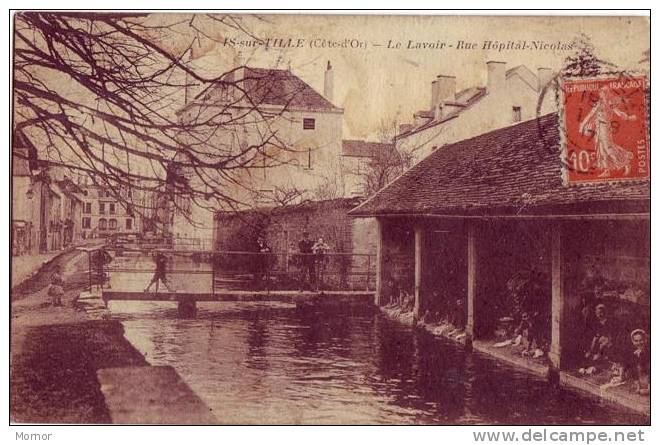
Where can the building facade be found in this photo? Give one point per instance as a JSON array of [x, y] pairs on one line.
[[102, 214], [509, 96], [298, 133], [35, 211]]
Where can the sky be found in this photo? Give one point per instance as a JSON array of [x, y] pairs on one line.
[[378, 82]]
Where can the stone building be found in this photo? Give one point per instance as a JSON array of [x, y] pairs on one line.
[[352, 241]]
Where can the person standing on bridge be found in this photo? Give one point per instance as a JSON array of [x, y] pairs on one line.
[[308, 277], [262, 262], [320, 249], [161, 273]]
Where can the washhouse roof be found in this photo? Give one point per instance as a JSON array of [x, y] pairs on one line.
[[512, 171]]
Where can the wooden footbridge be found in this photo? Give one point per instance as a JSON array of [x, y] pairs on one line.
[[338, 280], [187, 302]]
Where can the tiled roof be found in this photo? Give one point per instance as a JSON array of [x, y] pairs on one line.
[[468, 97], [264, 86], [511, 171], [363, 149]]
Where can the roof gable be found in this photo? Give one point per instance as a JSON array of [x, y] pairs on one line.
[[263, 86]]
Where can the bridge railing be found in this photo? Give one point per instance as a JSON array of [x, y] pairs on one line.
[[210, 271]]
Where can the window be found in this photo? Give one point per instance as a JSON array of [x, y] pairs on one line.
[[103, 224], [101, 207], [108, 195], [517, 114], [112, 208], [129, 224], [84, 192], [101, 193], [87, 208], [113, 224], [309, 158], [309, 123], [86, 223]]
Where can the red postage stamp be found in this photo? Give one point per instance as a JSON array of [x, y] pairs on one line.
[[605, 129]]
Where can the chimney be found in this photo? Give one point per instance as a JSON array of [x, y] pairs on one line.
[[496, 75], [443, 89], [238, 59], [328, 83], [434, 94], [446, 88], [544, 76], [238, 72]]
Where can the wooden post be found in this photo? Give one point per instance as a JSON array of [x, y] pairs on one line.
[[419, 258], [471, 282], [557, 302], [213, 272], [368, 270], [379, 263]]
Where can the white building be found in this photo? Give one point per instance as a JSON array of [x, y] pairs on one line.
[[510, 96], [298, 133]]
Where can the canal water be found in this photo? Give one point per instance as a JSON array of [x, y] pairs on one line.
[[267, 363]]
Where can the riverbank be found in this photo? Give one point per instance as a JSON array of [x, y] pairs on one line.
[[53, 374], [620, 396], [57, 354], [26, 269]]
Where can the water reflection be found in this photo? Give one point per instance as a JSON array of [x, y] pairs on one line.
[[273, 364]]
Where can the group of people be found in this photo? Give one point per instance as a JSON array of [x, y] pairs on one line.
[[399, 298], [603, 349], [448, 322], [312, 261], [528, 309]]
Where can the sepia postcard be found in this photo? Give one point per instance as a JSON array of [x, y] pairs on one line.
[[330, 219]]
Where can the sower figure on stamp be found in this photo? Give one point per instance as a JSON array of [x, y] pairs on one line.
[[160, 274], [308, 277], [609, 156]]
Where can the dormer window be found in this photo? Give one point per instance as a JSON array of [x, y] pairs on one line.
[[309, 123]]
